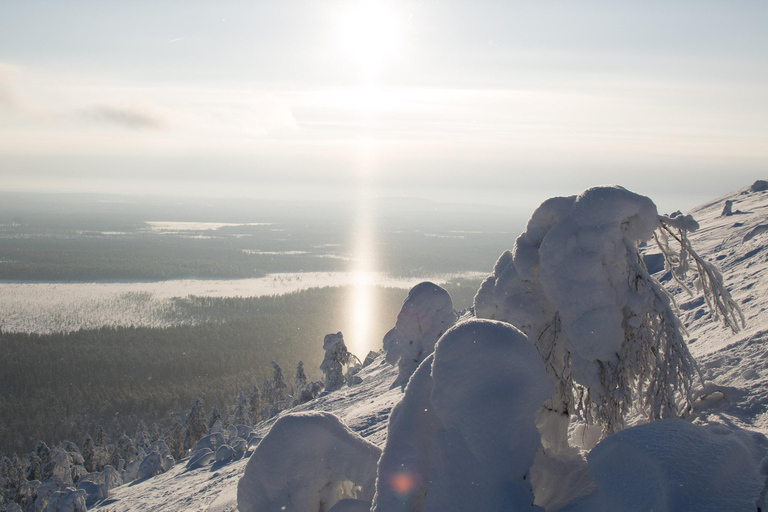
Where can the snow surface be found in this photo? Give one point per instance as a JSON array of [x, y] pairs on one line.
[[734, 366], [640, 469]]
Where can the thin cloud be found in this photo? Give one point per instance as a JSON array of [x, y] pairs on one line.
[[10, 98], [134, 118], [176, 40]]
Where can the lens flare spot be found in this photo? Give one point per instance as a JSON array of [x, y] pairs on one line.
[[403, 483]]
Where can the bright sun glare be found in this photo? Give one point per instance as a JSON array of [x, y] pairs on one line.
[[370, 34]]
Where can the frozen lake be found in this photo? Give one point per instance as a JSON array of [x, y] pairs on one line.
[[45, 307]]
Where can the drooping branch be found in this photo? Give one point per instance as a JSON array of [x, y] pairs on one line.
[[717, 296]]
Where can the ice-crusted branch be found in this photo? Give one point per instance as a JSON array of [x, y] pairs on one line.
[[717, 296]]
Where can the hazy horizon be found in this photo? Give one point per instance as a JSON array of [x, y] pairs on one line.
[[449, 101]]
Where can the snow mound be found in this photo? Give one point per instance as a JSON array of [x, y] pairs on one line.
[[426, 314], [464, 436], [308, 462], [673, 465]]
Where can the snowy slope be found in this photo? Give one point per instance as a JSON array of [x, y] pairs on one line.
[[364, 408], [734, 366]]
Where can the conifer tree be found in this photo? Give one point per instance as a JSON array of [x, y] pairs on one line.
[[176, 438], [213, 418], [300, 381], [89, 455], [280, 387], [195, 424], [142, 437], [241, 414], [256, 412]]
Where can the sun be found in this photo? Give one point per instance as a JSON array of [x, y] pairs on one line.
[[370, 34]]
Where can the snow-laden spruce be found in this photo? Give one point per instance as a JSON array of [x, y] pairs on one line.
[[606, 329], [426, 314], [464, 435], [308, 462], [336, 357]]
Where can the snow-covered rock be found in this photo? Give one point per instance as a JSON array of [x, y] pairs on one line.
[[426, 314], [210, 442], [243, 431], [239, 446], [225, 453], [308, 462], [673, 465], [201, 458]]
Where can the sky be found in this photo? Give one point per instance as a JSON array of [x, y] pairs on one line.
[[483, 101]]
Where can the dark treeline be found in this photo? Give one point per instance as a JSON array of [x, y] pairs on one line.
[[63, 385]]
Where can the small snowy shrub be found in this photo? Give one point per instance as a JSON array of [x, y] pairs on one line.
[[426, 314], [307, 462], [607, 330]]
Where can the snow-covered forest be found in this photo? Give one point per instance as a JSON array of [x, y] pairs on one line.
[[613, 359]]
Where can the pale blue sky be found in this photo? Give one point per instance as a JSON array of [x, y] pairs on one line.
[[473, 101]]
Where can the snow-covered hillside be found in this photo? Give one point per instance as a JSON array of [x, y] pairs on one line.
[[734, 368]]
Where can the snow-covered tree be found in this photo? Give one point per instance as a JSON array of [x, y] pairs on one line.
[[195, 424], [268, 393], [300, 381], [176, 439], [154, 431], [124, 450], [464, 435], [336, 357], [102, 439], [39, 457], [142, 438], [11, 478], [89, 455], [241, 413], [426, 314], [607, 330], [280, 388], [213, 419], [310, 391], [256, 406]]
